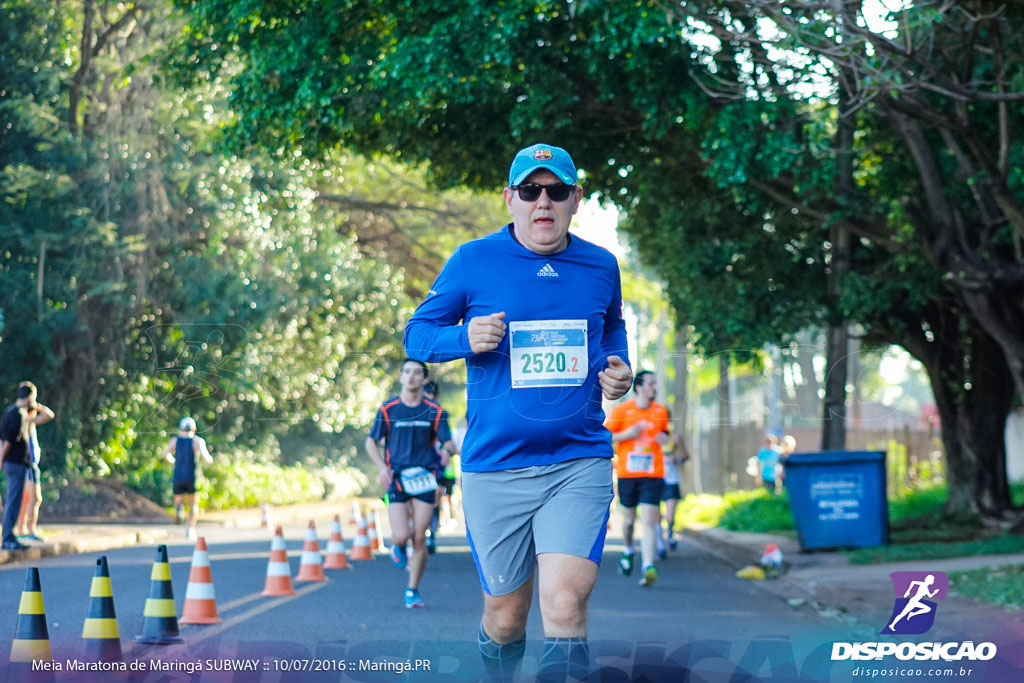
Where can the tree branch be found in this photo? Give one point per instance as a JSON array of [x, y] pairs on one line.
[[1004, 122], [104, 38], [782, 191]]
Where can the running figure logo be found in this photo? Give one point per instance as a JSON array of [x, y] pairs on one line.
[[914, 612]]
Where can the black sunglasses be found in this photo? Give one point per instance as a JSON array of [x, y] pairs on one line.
[[558, 192]]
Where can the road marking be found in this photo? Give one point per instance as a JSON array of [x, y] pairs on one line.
[[208, 632], [228, 606]]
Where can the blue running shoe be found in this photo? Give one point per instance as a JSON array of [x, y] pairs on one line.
[[412, 598], [672, 544], [399, 555]]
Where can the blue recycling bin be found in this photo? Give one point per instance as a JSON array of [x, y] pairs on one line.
[[838, 498]]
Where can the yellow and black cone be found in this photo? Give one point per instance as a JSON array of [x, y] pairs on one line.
[[160, 625], [101, 640], [31, 639]]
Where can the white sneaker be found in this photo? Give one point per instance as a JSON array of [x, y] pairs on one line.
[[190, 532]]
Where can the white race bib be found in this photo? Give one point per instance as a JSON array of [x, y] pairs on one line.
[[416, 480], [640, 462], [548, 353]]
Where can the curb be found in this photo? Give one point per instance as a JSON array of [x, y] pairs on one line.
[[828, 582], [116, 521], [84, 544], [249, 518], [151, 531]]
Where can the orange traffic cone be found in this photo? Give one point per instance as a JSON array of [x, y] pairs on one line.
[[200, 602], [279, 573], [311, 567], [361, 544], [336, 548], [374, 529]]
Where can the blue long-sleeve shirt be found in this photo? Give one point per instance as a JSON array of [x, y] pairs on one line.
[[578, 287]]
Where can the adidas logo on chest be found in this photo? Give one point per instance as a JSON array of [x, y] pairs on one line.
[[547, 271]]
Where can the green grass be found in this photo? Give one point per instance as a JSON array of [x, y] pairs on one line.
[[1003, 586], [918, 528], [918, 503], [996, 545], [699, 509], [753, 510], [760, 513]]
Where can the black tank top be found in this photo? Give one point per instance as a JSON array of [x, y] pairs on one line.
[[184, 460]]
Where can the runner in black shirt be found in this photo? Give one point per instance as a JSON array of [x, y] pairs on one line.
[[409, 424]]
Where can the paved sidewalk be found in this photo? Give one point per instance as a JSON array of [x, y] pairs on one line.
[[858, 593], [91, 536], [66, 539]]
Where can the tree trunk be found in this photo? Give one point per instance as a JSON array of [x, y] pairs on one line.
[[999, 312], [833, 430], [973, 391], [680, 409], [75, 91], [724, 421], [40, 273]]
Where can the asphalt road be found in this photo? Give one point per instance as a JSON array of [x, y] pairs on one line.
[[698, 613]]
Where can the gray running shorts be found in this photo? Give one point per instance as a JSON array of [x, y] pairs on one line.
[[514, 515]]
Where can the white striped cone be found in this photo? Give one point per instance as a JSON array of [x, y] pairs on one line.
[[336, 548], [279, 573], [311, 568], [200, 602], [361, 544], [353, 517], [380, 531]]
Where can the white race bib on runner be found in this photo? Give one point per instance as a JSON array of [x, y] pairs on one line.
[[416, 480], [548, 353], [642, 461]]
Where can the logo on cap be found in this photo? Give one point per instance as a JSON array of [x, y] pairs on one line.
[[542, 155]]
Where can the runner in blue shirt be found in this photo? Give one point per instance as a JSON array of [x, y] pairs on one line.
[[537, 315], [409, 424]]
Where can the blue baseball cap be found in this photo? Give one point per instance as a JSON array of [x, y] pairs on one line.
[[541, 155]]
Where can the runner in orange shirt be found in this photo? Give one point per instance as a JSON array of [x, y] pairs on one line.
[[639, 429]]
